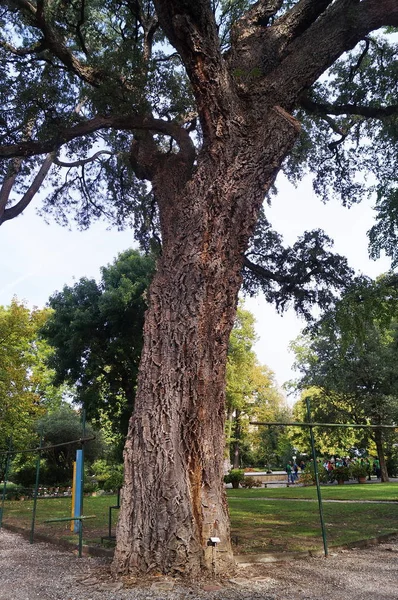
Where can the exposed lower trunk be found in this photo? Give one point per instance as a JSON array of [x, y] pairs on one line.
[[378, 437], [173, 500]]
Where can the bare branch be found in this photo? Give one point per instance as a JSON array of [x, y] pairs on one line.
[[83, 161], [38, 47], [14, 211]]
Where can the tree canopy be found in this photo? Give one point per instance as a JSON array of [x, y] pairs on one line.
[[175, 117], [91, 92], [251, 393], [25, 383], [95, 331], [350, 360]]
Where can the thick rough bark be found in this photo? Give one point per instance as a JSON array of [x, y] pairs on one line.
[[173, 499]]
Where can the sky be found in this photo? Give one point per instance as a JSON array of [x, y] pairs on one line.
[[37, 259]]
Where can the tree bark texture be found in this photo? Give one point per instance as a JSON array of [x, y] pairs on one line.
[[173, 499]]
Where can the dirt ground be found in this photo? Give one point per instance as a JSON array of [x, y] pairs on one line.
[[43, 571]]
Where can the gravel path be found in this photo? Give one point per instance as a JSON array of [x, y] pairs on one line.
[[42, 571]]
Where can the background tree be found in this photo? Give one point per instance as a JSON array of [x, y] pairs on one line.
[[64, 425], [113, 93], [250, 394], [351, 359], [23, 378], [95, 330]]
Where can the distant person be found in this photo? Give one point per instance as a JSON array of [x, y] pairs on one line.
[[376, 468], [290, 473], [295, 471]]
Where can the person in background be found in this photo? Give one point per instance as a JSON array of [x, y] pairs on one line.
[[376, 468], [290, 474]]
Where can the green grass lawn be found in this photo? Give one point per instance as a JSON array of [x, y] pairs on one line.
[[287, 519], [373, 491], [17, 512], [262, 520]]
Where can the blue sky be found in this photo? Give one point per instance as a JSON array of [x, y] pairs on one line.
[[37, 259]]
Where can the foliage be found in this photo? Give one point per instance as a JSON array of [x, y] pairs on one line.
[[95, 330], [25, 387], [358, 470], [235, 476], [251, 394], [124, 69], [109, 476], [340, 473], [309, 473], [251, 482], [349, 359], [171, 113], [62, 426]]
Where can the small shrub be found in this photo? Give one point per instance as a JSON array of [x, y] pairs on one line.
[[310, 472], [250, 482], [236, 477], [90, 487], [114, 481], [340, 474], [358, 470]]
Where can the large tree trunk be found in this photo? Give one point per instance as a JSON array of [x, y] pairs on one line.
[[173, 499]]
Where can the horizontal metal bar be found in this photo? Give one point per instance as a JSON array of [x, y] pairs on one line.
[[69, 519], [45, 448], [295, 424]]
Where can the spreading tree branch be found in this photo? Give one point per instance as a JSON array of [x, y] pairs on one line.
[[10, 213], [53, 42], [83, 161], [126, 123], [324, 109]]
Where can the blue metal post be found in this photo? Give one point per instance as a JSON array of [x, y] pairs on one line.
[[78, 489]]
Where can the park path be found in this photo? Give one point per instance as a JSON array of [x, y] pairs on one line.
[[43, 571]]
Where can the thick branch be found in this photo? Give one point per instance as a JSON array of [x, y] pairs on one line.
[[300, 17], [370, 112], [191, 28], [338, 29], [8, 184], [127, 123], [262, 272], [53, 42], [38, 47]]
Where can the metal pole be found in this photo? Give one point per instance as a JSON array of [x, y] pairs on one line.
[[3, 497], [311, 424], [82, 481], [36, 490], [318, 487]]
